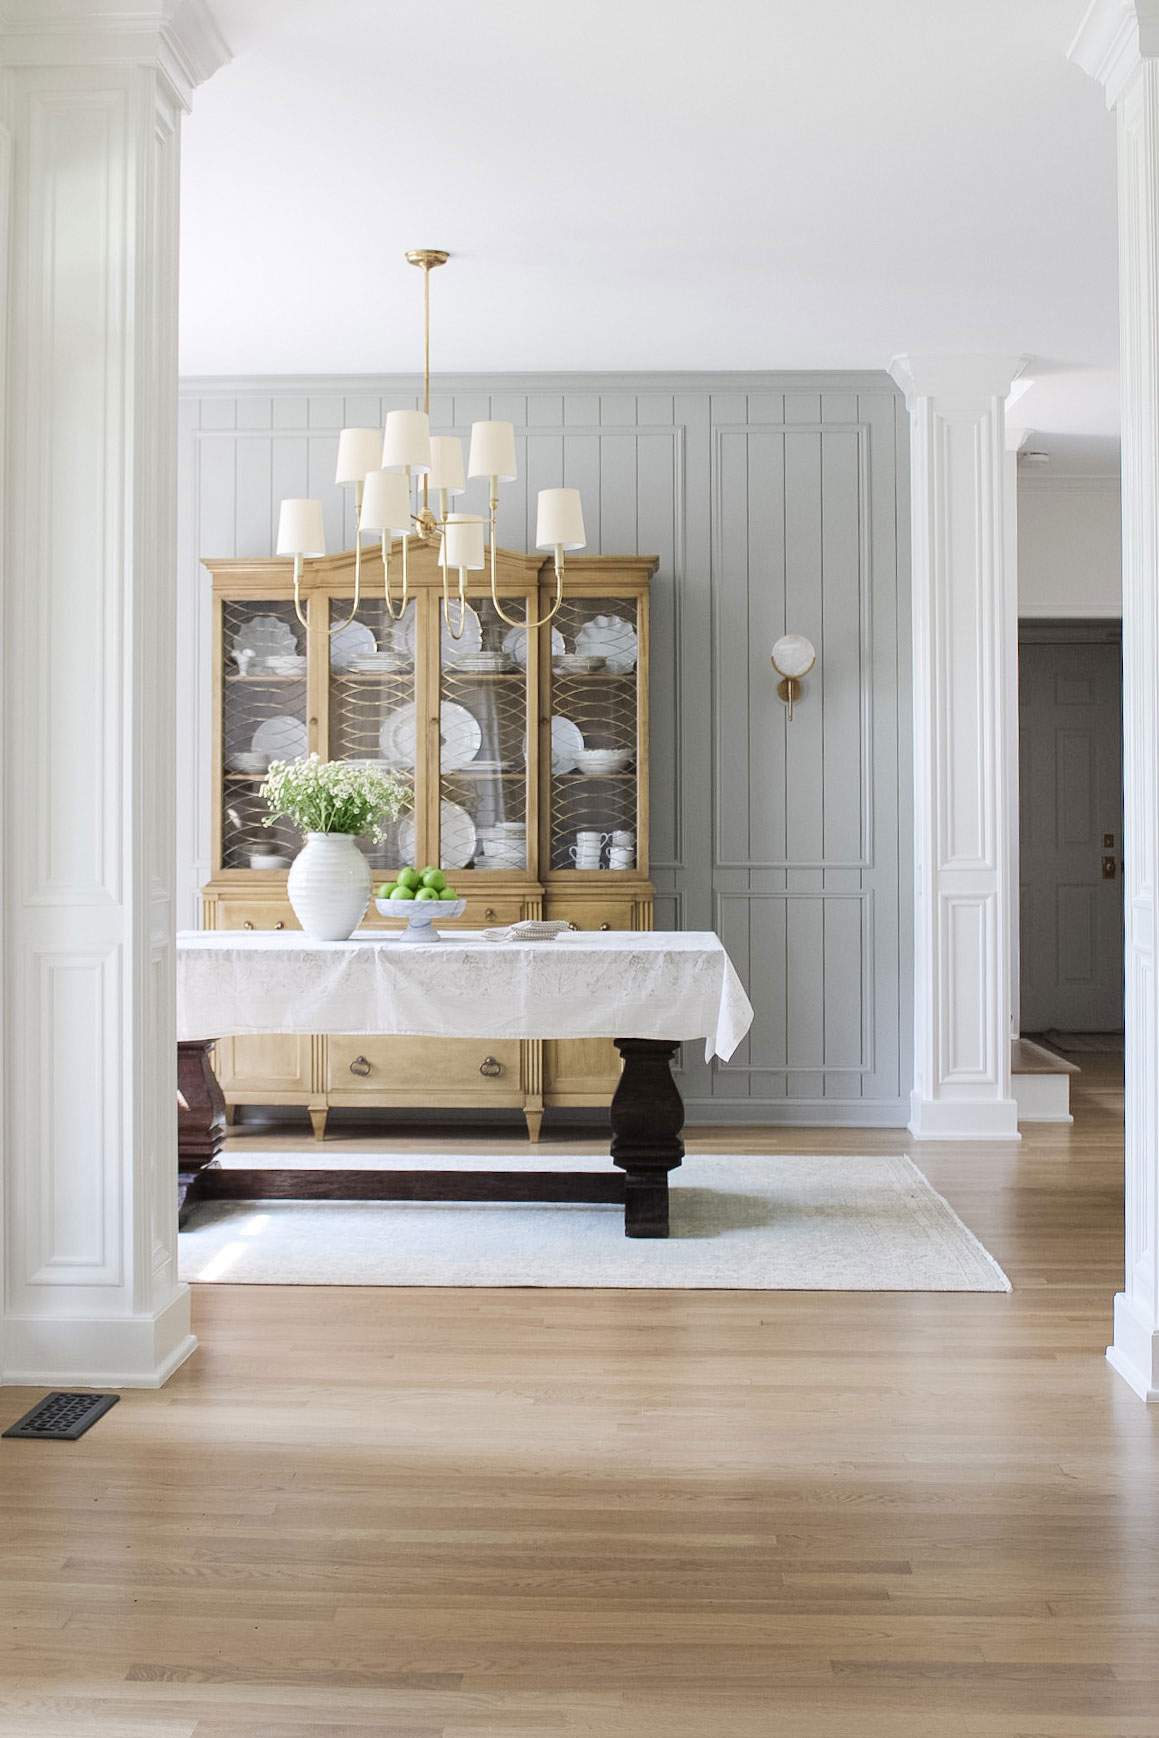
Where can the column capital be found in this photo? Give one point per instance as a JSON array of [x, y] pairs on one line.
[[966, 379], [1113, 40], [179, 37]]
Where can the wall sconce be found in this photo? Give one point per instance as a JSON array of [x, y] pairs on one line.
[[793, 657]]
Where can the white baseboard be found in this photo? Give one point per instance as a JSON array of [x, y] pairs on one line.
[[1042, 1097]]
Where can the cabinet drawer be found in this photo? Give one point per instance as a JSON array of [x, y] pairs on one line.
[[255, 914], [592, 913], [383, 1065]]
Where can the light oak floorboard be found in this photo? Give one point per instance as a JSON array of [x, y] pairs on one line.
[[442, 1514]]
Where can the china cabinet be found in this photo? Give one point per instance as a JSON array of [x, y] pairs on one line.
[[526, 755]]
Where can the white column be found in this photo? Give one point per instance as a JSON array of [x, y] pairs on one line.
[[1118, 43], [91, 96], [961, 629]]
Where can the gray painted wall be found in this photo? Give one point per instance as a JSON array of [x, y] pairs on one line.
[[776, 503]]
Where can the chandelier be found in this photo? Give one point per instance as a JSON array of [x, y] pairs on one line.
[[397, 474]]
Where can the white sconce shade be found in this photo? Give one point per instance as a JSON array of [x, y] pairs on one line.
[[300, 528], [359, 451], [464, 541], [447, 464], [560, 520], [386, 503], [492, 451], [793, 655], [407, 441]]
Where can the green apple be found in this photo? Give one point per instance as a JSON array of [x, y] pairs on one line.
[[385, 890], [401, 892], [434, 878], [429, 869], [448, 893], [426, 893], [409, 878]]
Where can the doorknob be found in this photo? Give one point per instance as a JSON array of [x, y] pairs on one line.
[[1108, 868]]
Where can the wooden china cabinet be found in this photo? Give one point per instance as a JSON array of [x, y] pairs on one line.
[[495, 738]]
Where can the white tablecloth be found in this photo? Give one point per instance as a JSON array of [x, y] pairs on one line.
[[625, 984]]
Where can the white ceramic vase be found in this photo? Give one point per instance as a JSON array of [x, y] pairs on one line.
[[329, 886]]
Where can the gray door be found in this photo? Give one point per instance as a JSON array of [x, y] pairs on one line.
[[1071, 800]]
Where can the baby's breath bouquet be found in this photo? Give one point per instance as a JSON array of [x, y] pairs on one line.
[[332, 796]]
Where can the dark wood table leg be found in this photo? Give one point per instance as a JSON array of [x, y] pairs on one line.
[[647, 1117], [200, 1118]]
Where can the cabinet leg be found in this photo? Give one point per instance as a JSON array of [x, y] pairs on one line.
[[534, 1124], [647, 1118], [318, 1115]]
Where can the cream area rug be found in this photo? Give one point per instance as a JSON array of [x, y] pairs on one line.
[[783, 1223]]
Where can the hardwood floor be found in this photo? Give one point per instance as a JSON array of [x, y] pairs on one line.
[[622, 1515]]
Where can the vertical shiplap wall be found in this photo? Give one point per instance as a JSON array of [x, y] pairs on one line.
[[776, 504]]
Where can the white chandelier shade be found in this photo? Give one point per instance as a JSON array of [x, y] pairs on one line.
[[559, 522], [447, 464], [492, 451], [462, 543], [359, 451], [386, 504], [300, 528], [407, 442]]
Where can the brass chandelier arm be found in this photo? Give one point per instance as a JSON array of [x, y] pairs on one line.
[[390, 609], [455, 633], [500, 611], [336, 627]]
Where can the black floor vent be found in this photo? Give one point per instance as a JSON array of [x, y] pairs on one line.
[[62, 1417]]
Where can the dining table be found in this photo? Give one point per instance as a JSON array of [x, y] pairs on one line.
[[648, 991]]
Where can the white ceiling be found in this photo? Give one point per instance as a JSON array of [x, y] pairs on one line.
[[653, 184]]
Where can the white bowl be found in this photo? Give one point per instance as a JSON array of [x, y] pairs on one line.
[[579, 664], [249, 762], [597, 760], [268, 860], [287, 666], [419, 915]]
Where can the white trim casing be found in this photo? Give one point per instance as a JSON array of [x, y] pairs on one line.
[[964, 629], [1118, 43]]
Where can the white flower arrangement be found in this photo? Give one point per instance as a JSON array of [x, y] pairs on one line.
[[332, 796]]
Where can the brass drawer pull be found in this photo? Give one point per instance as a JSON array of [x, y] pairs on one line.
[[279, 924], [360, 1066], [490, 1067], [489, 911], [247, 924], [605, 926]]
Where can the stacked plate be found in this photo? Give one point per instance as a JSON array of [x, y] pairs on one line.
[[504, 846], [377, 664], [462, 736], [481, 663], [610, 638]]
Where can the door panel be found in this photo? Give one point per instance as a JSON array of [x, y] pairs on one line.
[[1070, 726]]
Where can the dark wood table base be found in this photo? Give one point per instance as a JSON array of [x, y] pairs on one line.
[[647, 1115]]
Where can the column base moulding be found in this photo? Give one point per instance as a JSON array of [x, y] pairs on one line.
[[1134, 1355], [93, 1352], [940, 1119]]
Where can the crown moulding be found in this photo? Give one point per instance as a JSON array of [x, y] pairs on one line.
[[1113, 40], [180, 38], [972, 378]]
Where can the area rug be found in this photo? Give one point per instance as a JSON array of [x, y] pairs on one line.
[[767, 1223]]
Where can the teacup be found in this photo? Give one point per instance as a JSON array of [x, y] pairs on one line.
[[592, 838], [585, 857], [623, 841], [621, 858]]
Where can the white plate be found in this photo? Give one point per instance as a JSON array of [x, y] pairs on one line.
[[567, 739], [456, 834], [462, 736], [515, 645], [282, 738], [403, 634], [355, 640], [608, 637], [265, 637]]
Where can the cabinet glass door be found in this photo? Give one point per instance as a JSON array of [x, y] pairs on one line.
[[372, 715], [593, 780], [483, 778], [263, 698]]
